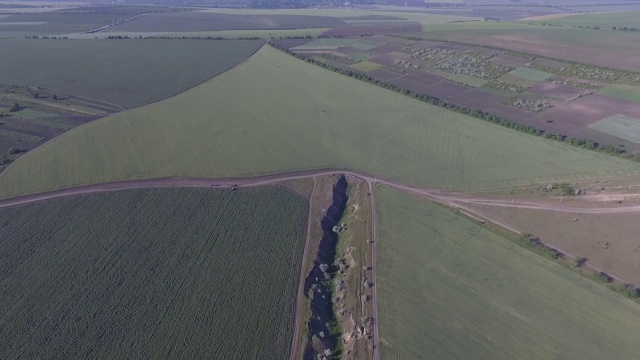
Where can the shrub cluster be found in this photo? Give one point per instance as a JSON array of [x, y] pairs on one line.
[[539, 247]]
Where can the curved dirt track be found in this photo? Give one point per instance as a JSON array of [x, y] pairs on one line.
[[455, 200]]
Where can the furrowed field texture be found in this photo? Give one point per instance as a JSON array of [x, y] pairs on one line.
[[275, 114], [119, 71], [147, 274], [449, 289]]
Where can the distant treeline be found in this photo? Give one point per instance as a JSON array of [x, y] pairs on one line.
[[623, 28], [47, 37], [125, 37], [592, 27], [303, 4], [157, 37], [583, 143]]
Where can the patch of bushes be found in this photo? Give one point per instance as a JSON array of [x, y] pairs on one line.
[[580, 262], [604, 277], [535, 244], [567, 189], [627, 290]]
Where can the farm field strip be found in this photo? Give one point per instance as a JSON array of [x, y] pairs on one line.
[[467, 80], [234, 183], [442, 149], [229, 34], [604, 20], [423, 18], [211, 21], [606, 241], [211, 264], [79, 66], [449, 288], [530, 74], [621, 91], [619, 125]]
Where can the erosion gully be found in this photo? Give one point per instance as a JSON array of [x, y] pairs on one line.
[[322, 338]]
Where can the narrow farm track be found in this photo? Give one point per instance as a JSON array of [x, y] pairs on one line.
[[300, 298], [456, 201], [374, 267]]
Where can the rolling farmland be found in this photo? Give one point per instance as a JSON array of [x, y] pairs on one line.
[[557, 98], [175, 273], [300, 117], [613, 49], [208, 21], [604, 21], [118, 71], [53, 20], [168, 193], [422, 18], [450, 289]]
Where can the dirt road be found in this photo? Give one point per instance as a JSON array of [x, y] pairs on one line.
[[374, 267], [295, 341], [456, 200]]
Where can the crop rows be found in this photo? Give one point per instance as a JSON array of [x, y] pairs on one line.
[[80, 66], [179, 273], [314, 119], [449, 289]]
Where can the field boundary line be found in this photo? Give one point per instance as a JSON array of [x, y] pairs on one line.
[[205, 80], [104, 118], [300, 296]]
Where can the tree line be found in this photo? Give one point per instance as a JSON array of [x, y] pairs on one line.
[[432, 100]]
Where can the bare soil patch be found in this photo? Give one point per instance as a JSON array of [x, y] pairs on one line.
[[608, 241], [578, 113], [383, 75], [547, 46], [509, 112], [383, 59], [347, 50], [508, 60], [563, 92], [477, 99], [449, 91], [375, 29], [425, 77]]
